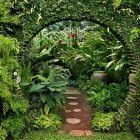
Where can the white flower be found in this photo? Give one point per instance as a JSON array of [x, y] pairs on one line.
[[18, 79], [15, 74]]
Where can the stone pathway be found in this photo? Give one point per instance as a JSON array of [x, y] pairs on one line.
[[76, 115]]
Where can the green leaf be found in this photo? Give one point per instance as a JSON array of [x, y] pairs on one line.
[[57, 86], [51, 75], [24, 83], [36, 88], [110, 63], [50, 101], [26, 1], [43, 98], [46, 109], [41, 78], [117, 3]]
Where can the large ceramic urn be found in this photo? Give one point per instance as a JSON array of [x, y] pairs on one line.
[[99, 76]]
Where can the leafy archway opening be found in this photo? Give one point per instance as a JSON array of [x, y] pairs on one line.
[[83, 51], [98, 39]]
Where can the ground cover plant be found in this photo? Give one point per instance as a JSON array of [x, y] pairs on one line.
[[97, 136], [105, 100], [102, 121], [104, 97]]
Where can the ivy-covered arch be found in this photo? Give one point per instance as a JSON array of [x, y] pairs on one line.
[[43, 13], [120, 21], [89, 19]]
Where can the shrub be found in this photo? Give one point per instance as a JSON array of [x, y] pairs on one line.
[[132, 118], [50, 122], [3, 133], [104, 97], [14, 125], [102, 121]]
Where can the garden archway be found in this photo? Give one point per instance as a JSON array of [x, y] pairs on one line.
[[44, 13]]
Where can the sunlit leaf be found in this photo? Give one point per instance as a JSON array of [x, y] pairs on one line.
[[117, 3]]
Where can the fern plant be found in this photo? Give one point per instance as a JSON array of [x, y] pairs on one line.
[[14, 125]]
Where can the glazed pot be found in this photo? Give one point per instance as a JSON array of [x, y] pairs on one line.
[[99, 76]]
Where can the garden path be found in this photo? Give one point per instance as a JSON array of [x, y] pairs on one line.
[[77, 115]]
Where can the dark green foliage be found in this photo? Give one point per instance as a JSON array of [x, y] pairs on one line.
[[45, 89], [19, 107], [132, 118], [3, 133], [105, 97], [50, 89], [73, 83], [14, 125]]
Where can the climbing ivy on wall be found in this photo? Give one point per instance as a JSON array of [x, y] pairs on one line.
[[42, 13]]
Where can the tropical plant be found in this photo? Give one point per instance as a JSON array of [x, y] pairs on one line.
[[46, 91], [102, 121], [90, 55], [104, 97], [26, 78], [50, 42], [118, 65], [14, 125], [50, 122], [50, 88]]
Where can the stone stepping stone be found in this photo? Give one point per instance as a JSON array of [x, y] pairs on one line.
[[73, 120], [72, 97], [77, 133], [72, 91], [68, 111], [80, 133], [61, 132], [77, 110], [73, 103], [88, 133]]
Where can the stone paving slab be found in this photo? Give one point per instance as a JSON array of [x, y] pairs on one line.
[[77, 117], [72, 90]]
